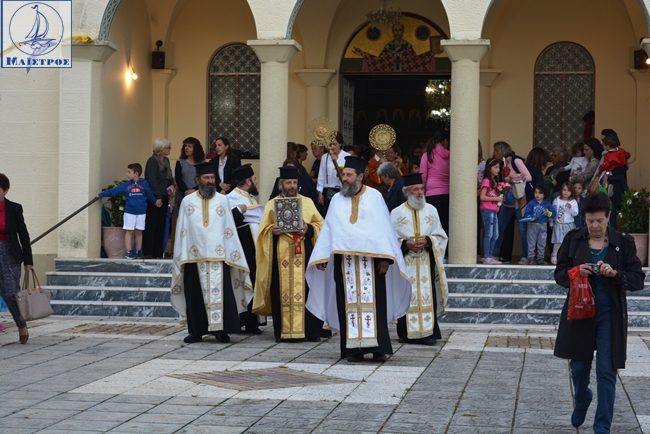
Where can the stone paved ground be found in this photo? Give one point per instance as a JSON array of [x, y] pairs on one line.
[[74, 377]]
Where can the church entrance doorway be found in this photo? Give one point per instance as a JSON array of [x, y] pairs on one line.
[[395, 74]]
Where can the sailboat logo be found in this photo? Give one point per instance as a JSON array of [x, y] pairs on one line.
[[36, 29]]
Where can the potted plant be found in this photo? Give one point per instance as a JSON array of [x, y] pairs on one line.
[[634, 219], [112, 222]]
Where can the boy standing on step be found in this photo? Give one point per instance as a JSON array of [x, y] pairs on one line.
[[137, 193]]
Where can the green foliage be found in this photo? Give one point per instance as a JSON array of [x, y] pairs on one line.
[[114, 207], [634, 211]]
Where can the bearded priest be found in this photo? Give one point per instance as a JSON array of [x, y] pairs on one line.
[[280, 286], [211, 285], [356, 272], [423, 242]]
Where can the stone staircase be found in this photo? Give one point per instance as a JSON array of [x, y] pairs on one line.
[[506, 294], [111, 287], [516, 294]]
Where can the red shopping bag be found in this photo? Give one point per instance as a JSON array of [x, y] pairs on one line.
[[582, 304]]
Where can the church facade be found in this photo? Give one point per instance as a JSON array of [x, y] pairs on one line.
[[261, 72]]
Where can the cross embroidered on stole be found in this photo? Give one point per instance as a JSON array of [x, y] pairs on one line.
[[360, 301]]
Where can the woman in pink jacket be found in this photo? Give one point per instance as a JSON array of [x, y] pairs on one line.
[[434, 167]]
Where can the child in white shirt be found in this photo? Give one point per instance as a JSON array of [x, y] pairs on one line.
[[567, 209]]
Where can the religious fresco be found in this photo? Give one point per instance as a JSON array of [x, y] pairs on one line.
[[411, 46]]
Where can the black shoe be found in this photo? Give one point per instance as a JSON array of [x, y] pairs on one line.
[[355, 358], [222, 338], [378, 357], [325, 333], [191, 339], [316, 339], [402, 341], [253, 331], [579, 414], [429, 341]]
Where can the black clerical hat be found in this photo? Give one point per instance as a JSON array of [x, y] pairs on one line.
[[242, 173], [288, 172], [354, 162], [412, 179], [204, 169]]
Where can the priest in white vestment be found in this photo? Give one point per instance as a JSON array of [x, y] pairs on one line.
[[211, 285], [247, 213], [356, 273], [423, 242]]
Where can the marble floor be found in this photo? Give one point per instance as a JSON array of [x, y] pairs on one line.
[[92, 375]]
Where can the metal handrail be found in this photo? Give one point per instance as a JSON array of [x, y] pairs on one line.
[[64, 220]]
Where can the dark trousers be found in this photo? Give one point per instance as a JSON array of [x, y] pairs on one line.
[[154, 230], [605, 376], [503, 246], [10, 282]]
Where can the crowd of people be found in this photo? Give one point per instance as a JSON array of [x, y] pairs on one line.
[[359, 241], [541, 196]]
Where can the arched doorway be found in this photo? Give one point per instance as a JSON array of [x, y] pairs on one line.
[[398, 75]]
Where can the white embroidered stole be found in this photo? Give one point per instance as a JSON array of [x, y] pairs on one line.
[[420, 318], [360, 301], [211, 278]]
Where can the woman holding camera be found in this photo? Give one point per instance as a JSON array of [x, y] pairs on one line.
[[328, 183], [608, 258]]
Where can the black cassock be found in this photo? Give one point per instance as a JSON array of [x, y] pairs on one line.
[[248, 318], [197, 317], [313, 325], [383, 338], [401, 323]]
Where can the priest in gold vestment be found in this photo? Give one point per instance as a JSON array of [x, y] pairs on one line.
[[423, 242], [211, 285], [357, 273], [280, 287]]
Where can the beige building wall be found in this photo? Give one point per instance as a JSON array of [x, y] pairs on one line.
[[126, 117], [519, 31], [29, 121]]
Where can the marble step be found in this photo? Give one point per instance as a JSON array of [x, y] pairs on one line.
[[114, 308], [507, 272], [156, 266], [519, 317], [103, 293], [116, 279], [528, 301], [517, 286]]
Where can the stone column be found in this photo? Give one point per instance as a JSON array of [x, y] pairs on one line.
[[160, 102], [465, 77], [274, 56], [80, 114], [645, 45], [488, 76], [315, 81]]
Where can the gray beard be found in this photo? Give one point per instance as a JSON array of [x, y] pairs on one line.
[[416, 202], [207, 191], [349, 190]]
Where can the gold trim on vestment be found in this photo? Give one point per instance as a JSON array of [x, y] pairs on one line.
[[205, 208], [354, 215], [291, 269], [211, 281]]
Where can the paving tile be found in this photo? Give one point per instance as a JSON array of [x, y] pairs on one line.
[[147, 427], [211, 429]]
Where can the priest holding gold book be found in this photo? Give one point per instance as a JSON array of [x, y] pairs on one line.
[[288, 231]]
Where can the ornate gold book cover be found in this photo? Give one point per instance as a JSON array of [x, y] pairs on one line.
[[288, 214]]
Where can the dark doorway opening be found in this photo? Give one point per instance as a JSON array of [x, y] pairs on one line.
[[408, 103]]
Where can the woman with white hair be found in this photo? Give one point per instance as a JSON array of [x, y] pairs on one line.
[[158, 174]]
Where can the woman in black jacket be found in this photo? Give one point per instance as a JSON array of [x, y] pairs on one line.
[[158, 174], [15, 249], [608, 258], [224, 163]]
